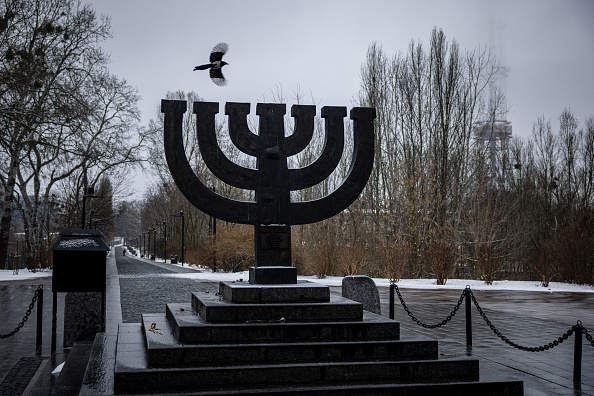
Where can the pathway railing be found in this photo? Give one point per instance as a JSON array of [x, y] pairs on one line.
[[37, 298], [578, 329]]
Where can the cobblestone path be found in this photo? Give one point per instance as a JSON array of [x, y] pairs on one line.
[[146, 288]]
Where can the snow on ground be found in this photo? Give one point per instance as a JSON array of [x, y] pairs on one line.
[[23, 274], [455, 284]]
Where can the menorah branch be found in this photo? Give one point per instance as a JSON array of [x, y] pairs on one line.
[[273, 212]]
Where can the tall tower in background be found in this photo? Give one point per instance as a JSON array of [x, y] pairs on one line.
[[494, 131]]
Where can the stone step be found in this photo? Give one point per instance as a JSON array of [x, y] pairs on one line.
[[163, 380], [490, 388], [99, 379], [133, 373], [214, 309], [189, 328], [301, 292], [164, 350]]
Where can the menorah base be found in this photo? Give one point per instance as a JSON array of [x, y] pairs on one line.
[[247, 293], [273, 275]]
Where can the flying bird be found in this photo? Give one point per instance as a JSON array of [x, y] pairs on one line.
[[216, 64]]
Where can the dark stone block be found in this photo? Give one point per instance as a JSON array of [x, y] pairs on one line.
[[362, 288], [216, 310], [190, 328], [82, 316], [271, 275], [241, 292], [273, 245]]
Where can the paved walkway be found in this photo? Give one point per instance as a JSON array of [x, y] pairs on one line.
[[529, 319], [19, 361]]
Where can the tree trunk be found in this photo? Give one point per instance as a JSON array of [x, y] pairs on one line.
[[6, 217]]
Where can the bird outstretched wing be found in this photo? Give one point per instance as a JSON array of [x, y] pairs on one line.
[[218, 51], [217, 77], [216, 64]]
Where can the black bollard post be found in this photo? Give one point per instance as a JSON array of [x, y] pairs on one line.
[[103, 310], [38, 336], [468, 318], [577, 353], [54, 322], [392, 287]]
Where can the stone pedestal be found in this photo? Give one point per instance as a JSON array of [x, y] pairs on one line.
[[241, 292], [82, 316], [273, 275], [284, 339], [273, 256]]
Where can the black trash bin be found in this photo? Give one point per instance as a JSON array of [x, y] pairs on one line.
[[80, 259], [79, 270]]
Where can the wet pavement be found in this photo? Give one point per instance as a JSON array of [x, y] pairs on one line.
[[136, 286], [528, 319], [147, 289], [19, 360]]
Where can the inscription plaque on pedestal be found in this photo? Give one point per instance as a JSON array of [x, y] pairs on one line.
[[274, 238]]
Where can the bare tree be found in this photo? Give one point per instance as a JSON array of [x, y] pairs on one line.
[[427, 101], [63, 116], [586, 176], [569, 143]]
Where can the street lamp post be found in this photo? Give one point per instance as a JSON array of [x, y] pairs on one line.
[[149, 243], [91, 218], [164, 229], [214, 243], [89, 194], [183, 246], [183, 236], [154, 244]]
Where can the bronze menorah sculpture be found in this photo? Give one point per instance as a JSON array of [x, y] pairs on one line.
[[272, 213]]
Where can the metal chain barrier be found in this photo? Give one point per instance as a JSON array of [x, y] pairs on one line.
[[583, 330], [26, 317], [417, 321], [545, 347], [541, 348], [578, 329]]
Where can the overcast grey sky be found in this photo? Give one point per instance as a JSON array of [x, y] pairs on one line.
[[320, 45]]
